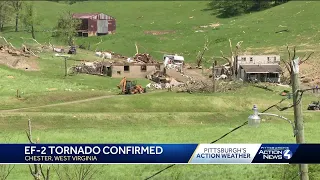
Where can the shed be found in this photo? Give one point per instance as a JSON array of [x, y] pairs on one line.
[[95, 24]]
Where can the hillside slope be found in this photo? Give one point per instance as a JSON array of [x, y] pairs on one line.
[[257, 30]]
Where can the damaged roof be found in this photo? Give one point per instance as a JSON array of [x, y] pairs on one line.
[[134, 64], [84, 15], [261, 68]]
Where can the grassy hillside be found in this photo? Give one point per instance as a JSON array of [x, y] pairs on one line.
[[159, 117], [165, 118], [257, 30]]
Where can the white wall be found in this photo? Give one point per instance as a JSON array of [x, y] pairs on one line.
[[259, 59]]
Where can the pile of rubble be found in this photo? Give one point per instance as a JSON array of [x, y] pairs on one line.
[[118, 56], [24, 52], [169, 83], [87, 68], [144, 58]]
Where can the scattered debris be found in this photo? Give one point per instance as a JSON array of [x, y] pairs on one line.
[[212, 25], [281, 31], [94, 68], [52, 89], [156, 33], [144, 58], [15, 58]]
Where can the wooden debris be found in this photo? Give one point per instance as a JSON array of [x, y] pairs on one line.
[[144, 58]]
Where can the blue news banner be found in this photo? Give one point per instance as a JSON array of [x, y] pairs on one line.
[[159, 153]]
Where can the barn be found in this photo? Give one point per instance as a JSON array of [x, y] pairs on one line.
[[95, 24]]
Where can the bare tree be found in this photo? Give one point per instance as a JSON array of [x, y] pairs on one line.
[[75, 172], [38, 172], [5, 171], [288, 63], [233, 57], [200, 55]]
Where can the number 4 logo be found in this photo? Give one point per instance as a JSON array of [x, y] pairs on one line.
[[287, 154]]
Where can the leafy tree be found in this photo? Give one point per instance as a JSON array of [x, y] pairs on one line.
[[5, 13], [30, 18], [66, 28], [17, 6]]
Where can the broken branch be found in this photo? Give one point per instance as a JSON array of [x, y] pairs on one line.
[[287, 65], [289, 52], [302, 61], [224, 57], [137, 50], [29, 134]]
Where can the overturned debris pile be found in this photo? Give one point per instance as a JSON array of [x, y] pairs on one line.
[[144, 58]]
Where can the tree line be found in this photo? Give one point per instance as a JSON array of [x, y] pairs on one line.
[[230, 8], [20, 11]]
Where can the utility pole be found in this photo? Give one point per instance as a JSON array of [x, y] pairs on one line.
[[214, 76], [298, 119], [65, 63], [65, 66]]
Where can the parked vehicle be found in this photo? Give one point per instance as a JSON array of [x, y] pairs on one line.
[[315, 105]]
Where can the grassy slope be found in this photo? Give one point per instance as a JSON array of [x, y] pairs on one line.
[[50, 86], [130, 119], [256, 30], [169, 118]]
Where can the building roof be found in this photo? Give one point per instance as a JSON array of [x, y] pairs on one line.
[[256, 55], [84, 15], [272, 68], [134, 64], [88, 15]]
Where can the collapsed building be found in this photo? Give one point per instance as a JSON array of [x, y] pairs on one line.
[[141, 66], [131, 70]]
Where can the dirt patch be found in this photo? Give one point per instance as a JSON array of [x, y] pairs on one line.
[[52, 89], [156, 33], [211, 25], [19, 62], [310, 73], [10, 77]]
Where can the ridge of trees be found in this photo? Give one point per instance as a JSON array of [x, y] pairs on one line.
[[231, 8]]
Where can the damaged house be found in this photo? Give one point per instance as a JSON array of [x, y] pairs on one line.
[[131, 70], [263, 68]]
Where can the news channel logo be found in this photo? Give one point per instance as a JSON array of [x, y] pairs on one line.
[[287, 154]]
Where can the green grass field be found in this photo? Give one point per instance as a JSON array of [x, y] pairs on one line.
[[160, 117], [257, 30]]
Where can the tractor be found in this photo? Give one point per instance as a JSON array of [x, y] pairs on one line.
[[130, 87], [315, 105]]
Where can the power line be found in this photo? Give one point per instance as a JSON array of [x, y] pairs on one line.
[[246, 122], [223, 136]]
